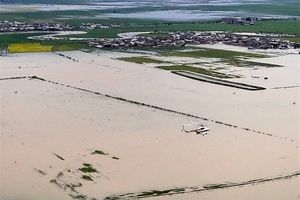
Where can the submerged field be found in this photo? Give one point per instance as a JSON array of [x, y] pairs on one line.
[[91, 124], [216, 63], [96, 126]]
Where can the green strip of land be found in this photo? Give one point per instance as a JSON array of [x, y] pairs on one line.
[[142, 60], [197, 70]]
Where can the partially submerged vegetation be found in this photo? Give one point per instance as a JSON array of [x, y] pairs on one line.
[[248, 63], [78, 196], [41, 172], [86, 177], [58, 156], [197, 70], [204, 188], [68, 46], [88, 168], [142, 60], [228, 58], [218, 81], [210, 53], [99, 152]]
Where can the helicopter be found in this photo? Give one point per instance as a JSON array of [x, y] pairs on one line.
[[199, 130]]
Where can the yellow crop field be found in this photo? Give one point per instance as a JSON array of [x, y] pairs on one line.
[[28, 47]]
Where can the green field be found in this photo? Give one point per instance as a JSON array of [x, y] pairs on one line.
[[284, 26], [210, 53], [16, 37]]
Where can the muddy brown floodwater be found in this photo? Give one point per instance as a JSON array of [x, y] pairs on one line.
[[102, 128]]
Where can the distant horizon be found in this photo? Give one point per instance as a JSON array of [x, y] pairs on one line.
[[216, 2]]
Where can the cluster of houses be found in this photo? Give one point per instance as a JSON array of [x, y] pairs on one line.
[[7, 26], [249, 20], [15, 26], [184, 38], [92, 26], [239, 20], [261, 42]]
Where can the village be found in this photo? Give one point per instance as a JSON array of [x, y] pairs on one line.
[[185, 38], [92, 26], [162, 39], [249, 20], [15, 26], [239, 20]]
